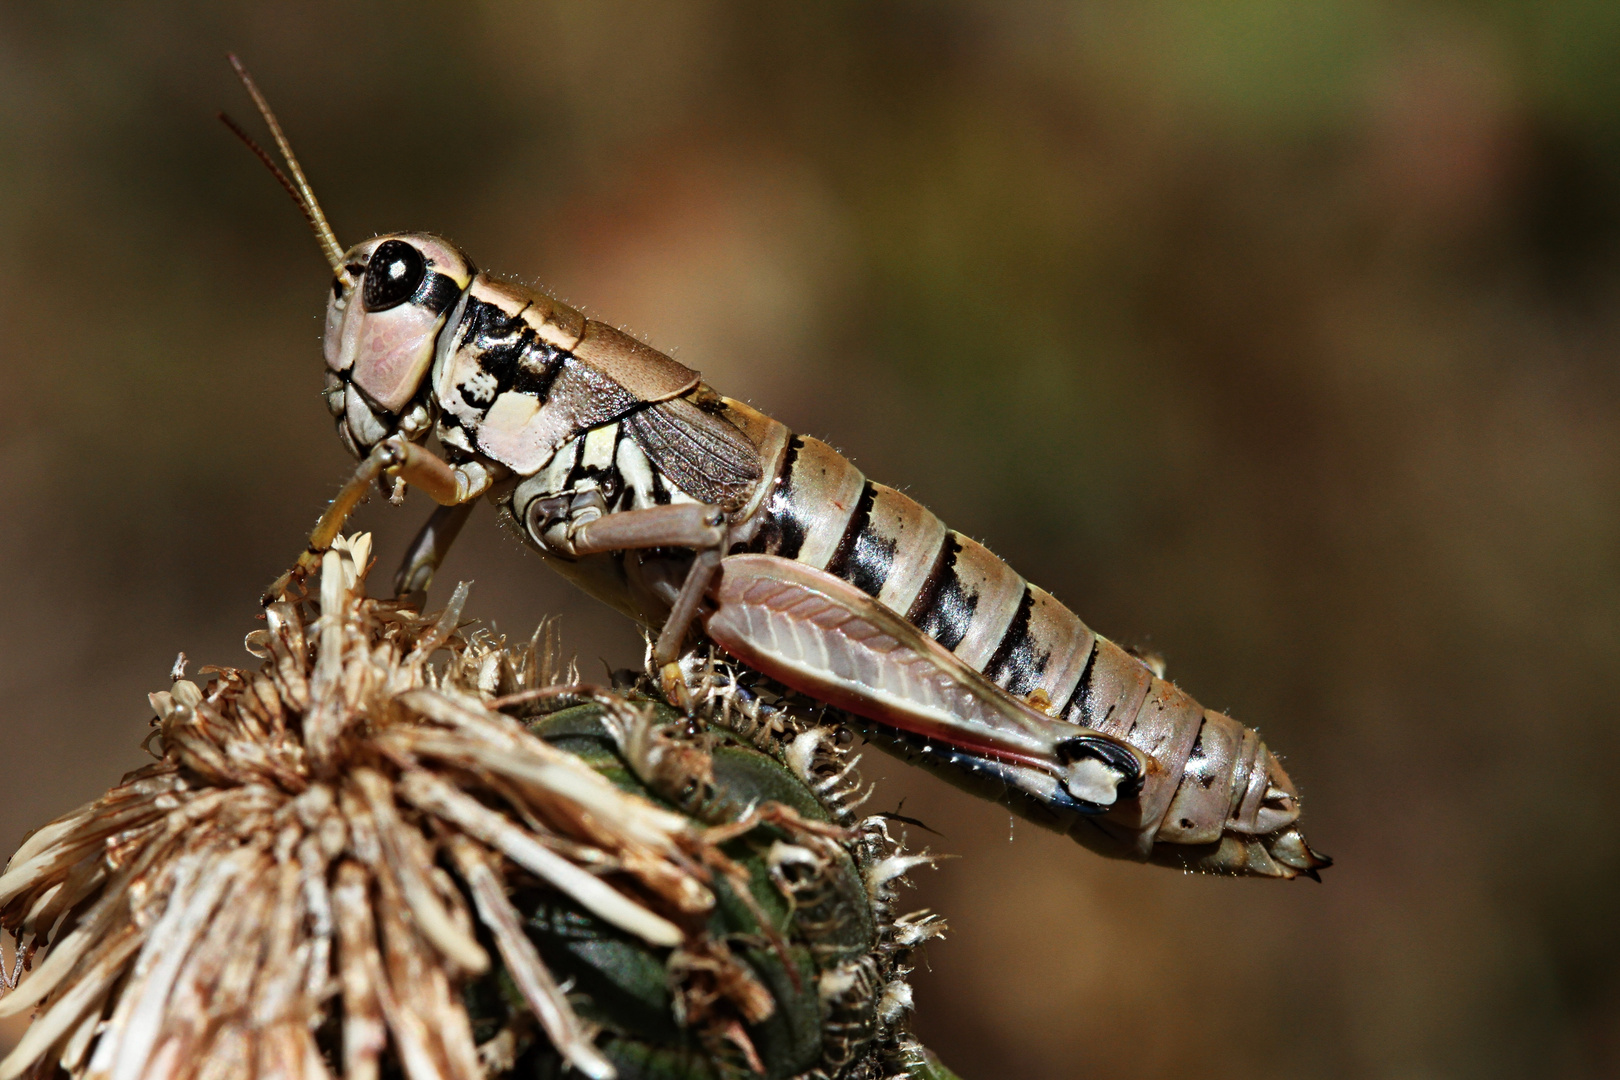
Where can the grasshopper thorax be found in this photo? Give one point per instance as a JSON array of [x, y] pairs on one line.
[[391, 297]]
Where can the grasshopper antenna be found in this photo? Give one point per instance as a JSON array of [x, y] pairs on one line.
[[298, 187]]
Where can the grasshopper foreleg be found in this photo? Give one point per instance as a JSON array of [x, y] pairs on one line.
[[446, 484]]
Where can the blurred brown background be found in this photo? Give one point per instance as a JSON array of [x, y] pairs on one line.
[[1279, 338]]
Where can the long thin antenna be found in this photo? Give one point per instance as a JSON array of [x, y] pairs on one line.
[[298, 187], [270, 163]]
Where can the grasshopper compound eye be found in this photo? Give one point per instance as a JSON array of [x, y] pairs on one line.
[[394, 274]]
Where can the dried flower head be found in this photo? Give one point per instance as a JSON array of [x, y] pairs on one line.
[[326, 853]]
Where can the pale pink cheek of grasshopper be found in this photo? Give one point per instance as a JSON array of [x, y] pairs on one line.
[[396, 348], [389, 350]]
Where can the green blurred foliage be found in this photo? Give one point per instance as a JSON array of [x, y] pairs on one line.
[[1279, 338]]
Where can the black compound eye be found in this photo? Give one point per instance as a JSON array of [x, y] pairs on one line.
[[392, 276]]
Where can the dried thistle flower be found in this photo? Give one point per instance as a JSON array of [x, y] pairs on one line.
[[326, 854]]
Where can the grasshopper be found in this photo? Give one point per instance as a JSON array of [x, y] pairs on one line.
[[695, 514]]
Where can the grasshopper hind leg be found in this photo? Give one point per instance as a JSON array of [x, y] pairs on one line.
[[820, 635]]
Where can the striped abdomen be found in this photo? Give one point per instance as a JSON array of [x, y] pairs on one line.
[[820, 510]]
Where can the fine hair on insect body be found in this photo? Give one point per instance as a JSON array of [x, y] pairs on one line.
[[707, 521]]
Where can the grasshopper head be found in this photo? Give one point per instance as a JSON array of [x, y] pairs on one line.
[[390, 299]]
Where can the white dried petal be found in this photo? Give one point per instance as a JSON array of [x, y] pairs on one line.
[[835, 982], [199, 885], [884, 871], [42, 904], [78, 1044], [409, 867], [432, 1033], [534, 981], [913, 929], [87, 991], [801, 752], [48, 836], [783, 854], [446, 625], [186, 692], [230, 1057], [436, 797], [65, 954], [360, 974]]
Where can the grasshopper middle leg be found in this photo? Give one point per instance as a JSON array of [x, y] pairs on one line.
[[426, 553], [576, 524]]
